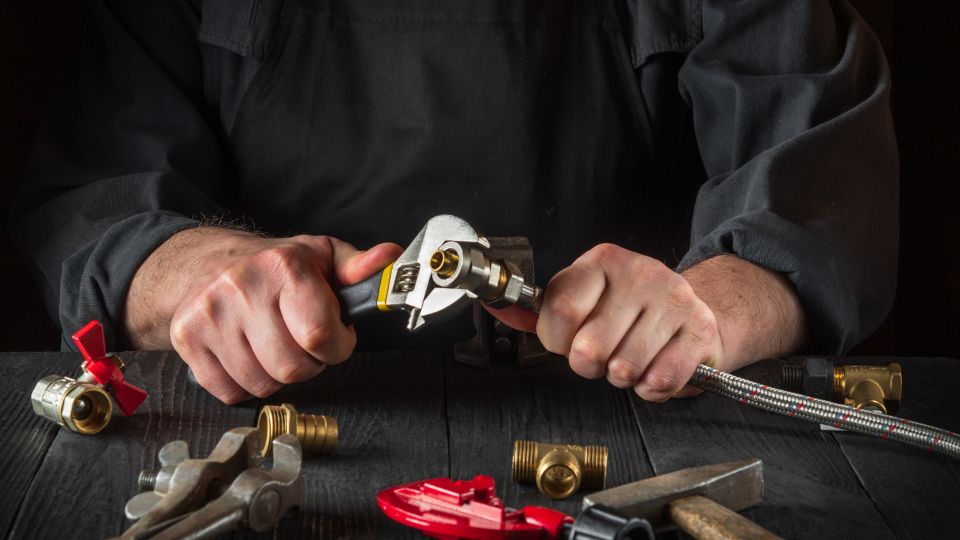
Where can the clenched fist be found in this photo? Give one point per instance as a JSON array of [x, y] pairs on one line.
[[627, 317], [249, 314]]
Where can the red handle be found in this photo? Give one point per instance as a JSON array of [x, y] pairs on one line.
[[445, 508], [92, 345]]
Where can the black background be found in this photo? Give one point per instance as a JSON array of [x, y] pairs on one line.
[[920, 39]]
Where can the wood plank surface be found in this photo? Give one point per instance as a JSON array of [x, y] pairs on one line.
[[917, 492], [390, 410], [809, 489], [85, 481], [488, 408], [25, 436]]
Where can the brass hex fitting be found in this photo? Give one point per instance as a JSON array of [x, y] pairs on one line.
[[78, 405], [876, 388], [317, 434], [559, 470]]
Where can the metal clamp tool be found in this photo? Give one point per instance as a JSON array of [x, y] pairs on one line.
[[200, 498], [442, 271]]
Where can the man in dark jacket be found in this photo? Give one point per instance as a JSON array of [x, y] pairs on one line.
[[600, 129]]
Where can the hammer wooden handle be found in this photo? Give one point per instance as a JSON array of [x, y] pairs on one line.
[[704, 519]]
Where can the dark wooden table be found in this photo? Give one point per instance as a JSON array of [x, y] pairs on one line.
[[407, 416]]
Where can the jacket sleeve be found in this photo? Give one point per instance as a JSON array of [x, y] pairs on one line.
[[790, 104], [125, 158]]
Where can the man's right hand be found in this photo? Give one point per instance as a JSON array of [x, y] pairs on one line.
[[248, 314]]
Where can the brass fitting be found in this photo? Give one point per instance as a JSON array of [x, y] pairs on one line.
[[317, 434], [875, 388], [872, 388], [77, 404], [559, 470]]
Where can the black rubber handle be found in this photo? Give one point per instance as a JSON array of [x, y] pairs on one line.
[[360, 299], [602, 523]]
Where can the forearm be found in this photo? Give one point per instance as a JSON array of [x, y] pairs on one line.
[[758, 312], [164, 279]]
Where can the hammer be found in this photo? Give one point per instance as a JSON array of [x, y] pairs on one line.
[[703, 501]]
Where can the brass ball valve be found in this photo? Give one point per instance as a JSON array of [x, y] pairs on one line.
[[82, 404]]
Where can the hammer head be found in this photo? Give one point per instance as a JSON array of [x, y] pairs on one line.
[[736, 485]]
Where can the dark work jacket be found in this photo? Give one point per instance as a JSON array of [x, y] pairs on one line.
[[678, 128]]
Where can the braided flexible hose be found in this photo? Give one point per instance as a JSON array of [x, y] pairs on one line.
[[825, 412]]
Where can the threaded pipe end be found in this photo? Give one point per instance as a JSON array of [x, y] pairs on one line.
[[791, 378], [270, 425], [594, 467], [524, 462], [147, 480]]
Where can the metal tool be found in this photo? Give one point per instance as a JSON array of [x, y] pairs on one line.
[[318, 434], [442, 271], [870, 388], [559, 470], [82, 404], [448, 509], [201, 498], [703, 501]]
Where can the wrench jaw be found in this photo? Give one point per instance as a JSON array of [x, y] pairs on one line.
[[411, 286]]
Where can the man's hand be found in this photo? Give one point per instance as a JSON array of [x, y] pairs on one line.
[[628, 317], [248, 314]]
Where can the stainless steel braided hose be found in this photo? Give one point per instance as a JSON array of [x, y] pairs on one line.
[[812, 409]]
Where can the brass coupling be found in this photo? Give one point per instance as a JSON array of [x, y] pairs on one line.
[[317, 434], [80, 405], [559, 470]]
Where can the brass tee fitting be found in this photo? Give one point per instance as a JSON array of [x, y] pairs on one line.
[[559, 470], [317, 434], [873, 388], [80, 405]]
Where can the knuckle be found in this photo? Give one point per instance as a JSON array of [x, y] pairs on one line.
[[663, 382], [262, 388], [587, 349], [623, 370], [284, 259], [231, 397], [704, 325], [231, 281], [564, 307], [679, 292], [292, 372], [605, 253], [317, 338]]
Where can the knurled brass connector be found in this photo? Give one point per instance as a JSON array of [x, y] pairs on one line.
[[559, 470], [317, 434]]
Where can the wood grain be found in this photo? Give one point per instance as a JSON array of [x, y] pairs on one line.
[[917, 492], [489, 408], [25, 436], [809, 489], [85, 481]]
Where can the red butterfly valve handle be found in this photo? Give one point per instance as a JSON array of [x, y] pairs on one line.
[[82, 404], [449, 509]]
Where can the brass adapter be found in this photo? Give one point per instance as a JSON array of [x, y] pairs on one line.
[[875, 388], [317, 434], [77, 404], [559, 470]]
